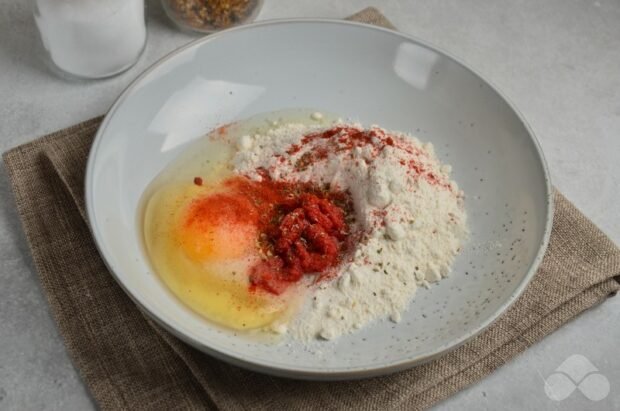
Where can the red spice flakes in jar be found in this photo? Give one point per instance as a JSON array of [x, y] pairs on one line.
[[211, 15], [198, 181]]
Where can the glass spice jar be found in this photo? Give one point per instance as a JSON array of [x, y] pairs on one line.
[[91, 39], [208, 16]]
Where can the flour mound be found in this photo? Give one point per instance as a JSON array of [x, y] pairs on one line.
[[410, 212]]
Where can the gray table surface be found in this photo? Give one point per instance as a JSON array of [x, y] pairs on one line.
[[558, 60]]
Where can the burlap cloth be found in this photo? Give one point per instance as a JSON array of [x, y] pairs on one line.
[[128, 362]]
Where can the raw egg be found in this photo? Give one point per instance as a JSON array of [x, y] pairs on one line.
[[202, 241]]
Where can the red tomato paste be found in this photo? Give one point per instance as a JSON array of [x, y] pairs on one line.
[[303, 229]]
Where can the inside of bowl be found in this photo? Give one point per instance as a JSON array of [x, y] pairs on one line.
[[365, 74]]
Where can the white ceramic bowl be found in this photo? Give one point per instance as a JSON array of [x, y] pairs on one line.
[[379, 77]]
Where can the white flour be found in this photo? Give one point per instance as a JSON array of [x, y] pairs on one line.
[[410, 211]]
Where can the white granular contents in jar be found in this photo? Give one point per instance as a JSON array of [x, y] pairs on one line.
[[92, 38], [410, 211]]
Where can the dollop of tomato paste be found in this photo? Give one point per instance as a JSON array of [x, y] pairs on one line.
[[303, 230], [306, 237]]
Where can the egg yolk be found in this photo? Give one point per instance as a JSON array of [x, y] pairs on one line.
[[218, 226], [201, 242]]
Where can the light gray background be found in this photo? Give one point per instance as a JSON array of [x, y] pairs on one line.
[[558, 60]]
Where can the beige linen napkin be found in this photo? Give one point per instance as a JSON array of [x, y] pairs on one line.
[[128, 362]]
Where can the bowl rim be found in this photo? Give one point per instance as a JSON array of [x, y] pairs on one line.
[[282, 370]]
